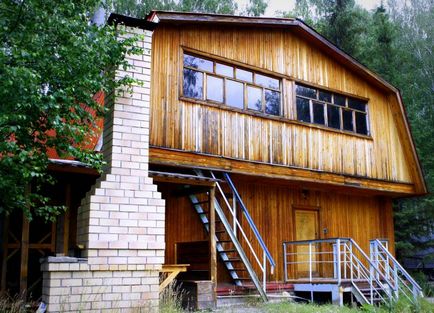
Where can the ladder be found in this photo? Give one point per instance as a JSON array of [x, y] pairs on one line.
[[231, 237]]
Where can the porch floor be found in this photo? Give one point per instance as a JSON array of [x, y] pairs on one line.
[[227, 289]]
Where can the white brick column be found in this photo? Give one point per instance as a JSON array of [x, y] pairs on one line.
[[121, 219]]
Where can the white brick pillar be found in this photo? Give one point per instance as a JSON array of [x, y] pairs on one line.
[[121, 219]]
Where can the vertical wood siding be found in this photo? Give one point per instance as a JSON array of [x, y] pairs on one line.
[[272, 209], [200, 128]]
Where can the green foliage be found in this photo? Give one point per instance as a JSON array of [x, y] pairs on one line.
[[52, 62], [141, 8]]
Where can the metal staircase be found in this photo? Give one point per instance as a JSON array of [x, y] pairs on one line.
[[231, 237], [340, 264]]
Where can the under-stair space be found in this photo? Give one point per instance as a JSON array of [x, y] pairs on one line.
[[238, 242]]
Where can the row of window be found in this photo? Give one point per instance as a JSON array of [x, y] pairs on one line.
[[224, 84], [233, 86], [332, 110]]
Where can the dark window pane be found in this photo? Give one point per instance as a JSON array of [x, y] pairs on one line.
[[318, 113], [244, 75], [224, 70], [198, 63], [333, 117], [193, 84], [357, 104], [266, 81], [325, 96], [254, 98], [214, 88], [234, 94], [347, 117], [305, 91], [361, 123], [272, 102], [303, 111], [339, 100]]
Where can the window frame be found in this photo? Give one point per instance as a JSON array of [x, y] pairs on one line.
[[332, 104], [246, 84]]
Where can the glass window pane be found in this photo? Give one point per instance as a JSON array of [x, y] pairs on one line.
[[244, 75], [357, 104], [266, 81], [305, 91], [333, 117], [318, 113], [199, 63], [325, 96], [303, 111], [347, 117], [234, 94], [272, 102], [224, 70], [361, 123], [214, 88], [193, 84], [254, 98], [339, 100]]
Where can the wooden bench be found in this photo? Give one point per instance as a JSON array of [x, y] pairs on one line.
[[172, 270]]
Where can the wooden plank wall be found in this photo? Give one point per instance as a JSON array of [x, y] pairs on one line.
[[199, 128], [272, 207]]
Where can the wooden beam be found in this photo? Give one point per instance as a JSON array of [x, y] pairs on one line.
[[66, 220], [324, 180], [212, 239], [24, 256], [5, 254]]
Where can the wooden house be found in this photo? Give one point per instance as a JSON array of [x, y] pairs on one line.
[[255, 155]]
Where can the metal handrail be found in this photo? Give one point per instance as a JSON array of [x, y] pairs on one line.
[[348, 255], [377, 251], [250, 220]]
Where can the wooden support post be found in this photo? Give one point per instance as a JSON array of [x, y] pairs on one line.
[[212, 239], [5, 254], [66, 220], [24, 256]]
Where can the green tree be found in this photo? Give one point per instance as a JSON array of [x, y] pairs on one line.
[[340, 21], [414, 218], [52, 62], [140, 8]]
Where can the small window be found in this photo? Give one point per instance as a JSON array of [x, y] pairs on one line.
[[219, 83], [234, 94], [224, 70], [214, 88], [305, 91], [244, 75], [303, 111], [193, 84], [254, 98], [266, 81], [272, 102], [334, 120], [331, 109], [318, 113], [347, 118]]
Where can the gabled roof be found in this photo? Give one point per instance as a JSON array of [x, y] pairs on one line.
[[155, 18]]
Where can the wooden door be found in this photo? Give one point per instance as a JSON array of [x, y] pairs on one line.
[[306, 228]]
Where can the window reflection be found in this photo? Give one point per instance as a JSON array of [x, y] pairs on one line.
[[193, 84], [214, 81], [254, 98], [214, 88], [272, 102], [234, 94]]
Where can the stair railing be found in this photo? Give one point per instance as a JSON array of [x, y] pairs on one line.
[[237, 227], [400, 280], [350, 264]]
